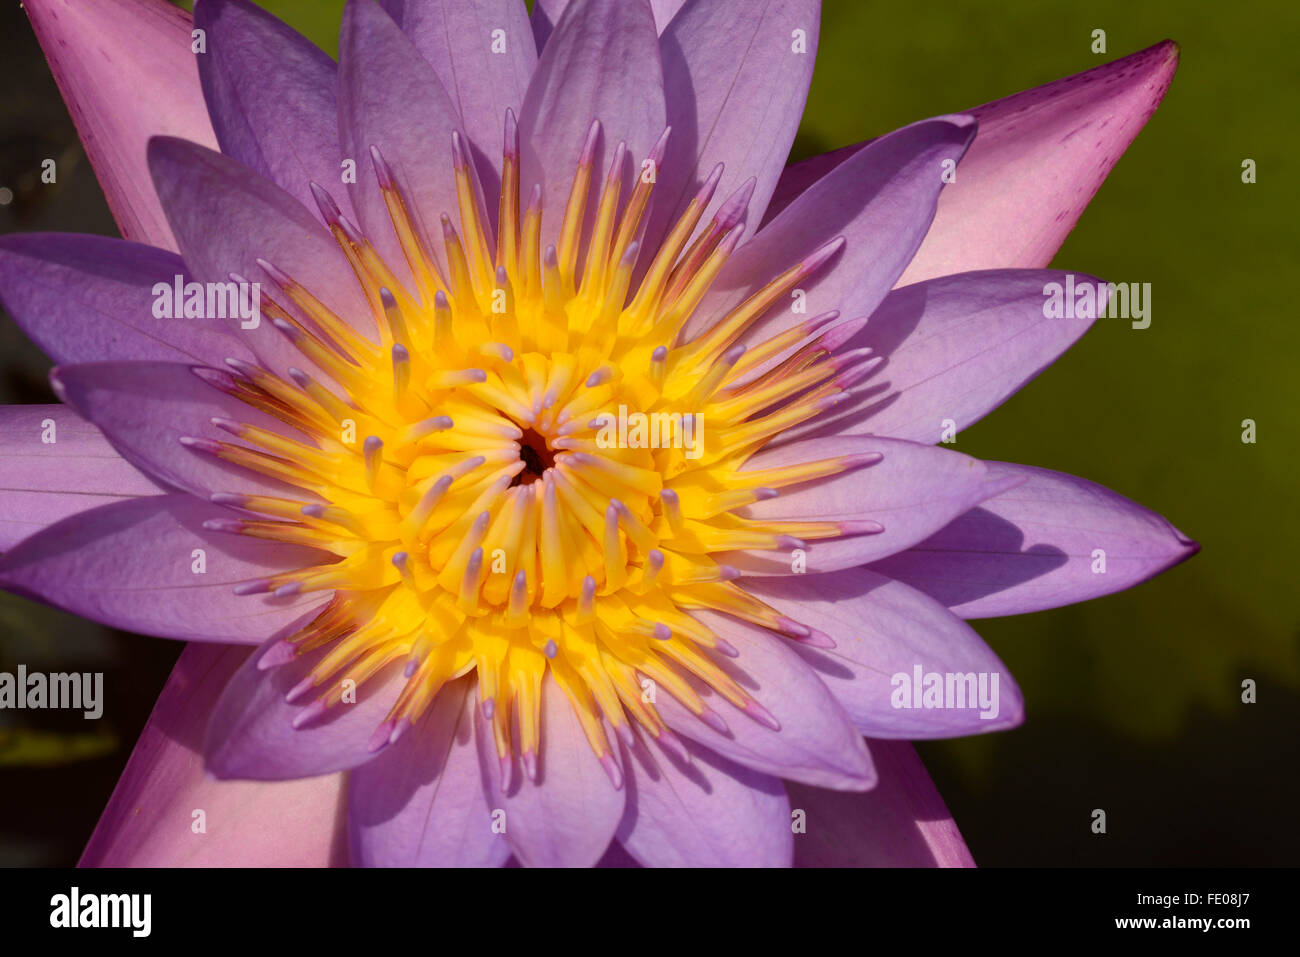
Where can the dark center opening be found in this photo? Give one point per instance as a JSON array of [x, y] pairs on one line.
[[536, 455]]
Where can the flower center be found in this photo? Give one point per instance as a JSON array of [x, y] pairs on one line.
[[536, 454], [531, 470]]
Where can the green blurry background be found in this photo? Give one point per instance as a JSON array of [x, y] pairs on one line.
[[1134, 700]]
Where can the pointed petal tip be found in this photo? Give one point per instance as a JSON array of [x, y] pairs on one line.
[[1184, 547], [963, 121], [864, 779], [162, 147]]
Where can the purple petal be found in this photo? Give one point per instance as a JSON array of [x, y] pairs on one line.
[[816, 743], [602, 63], [125, 70], [881, 201], [148, 565], [391, 98], [1039, 545], [251, 733], [735, 89], [42, 482], [226, 217], [957, 348], [91, 298], [1038, 160], [913, 491], [568, 816], [420, 803], [546, 14], [485, 72], [150, 821], [708, 813], [902, 823], [146, 408], [271, 94], [882, 630]]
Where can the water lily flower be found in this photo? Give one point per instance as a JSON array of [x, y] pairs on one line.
[[449, 601]]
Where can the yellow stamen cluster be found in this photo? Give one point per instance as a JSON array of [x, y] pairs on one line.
[[464, 469]]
